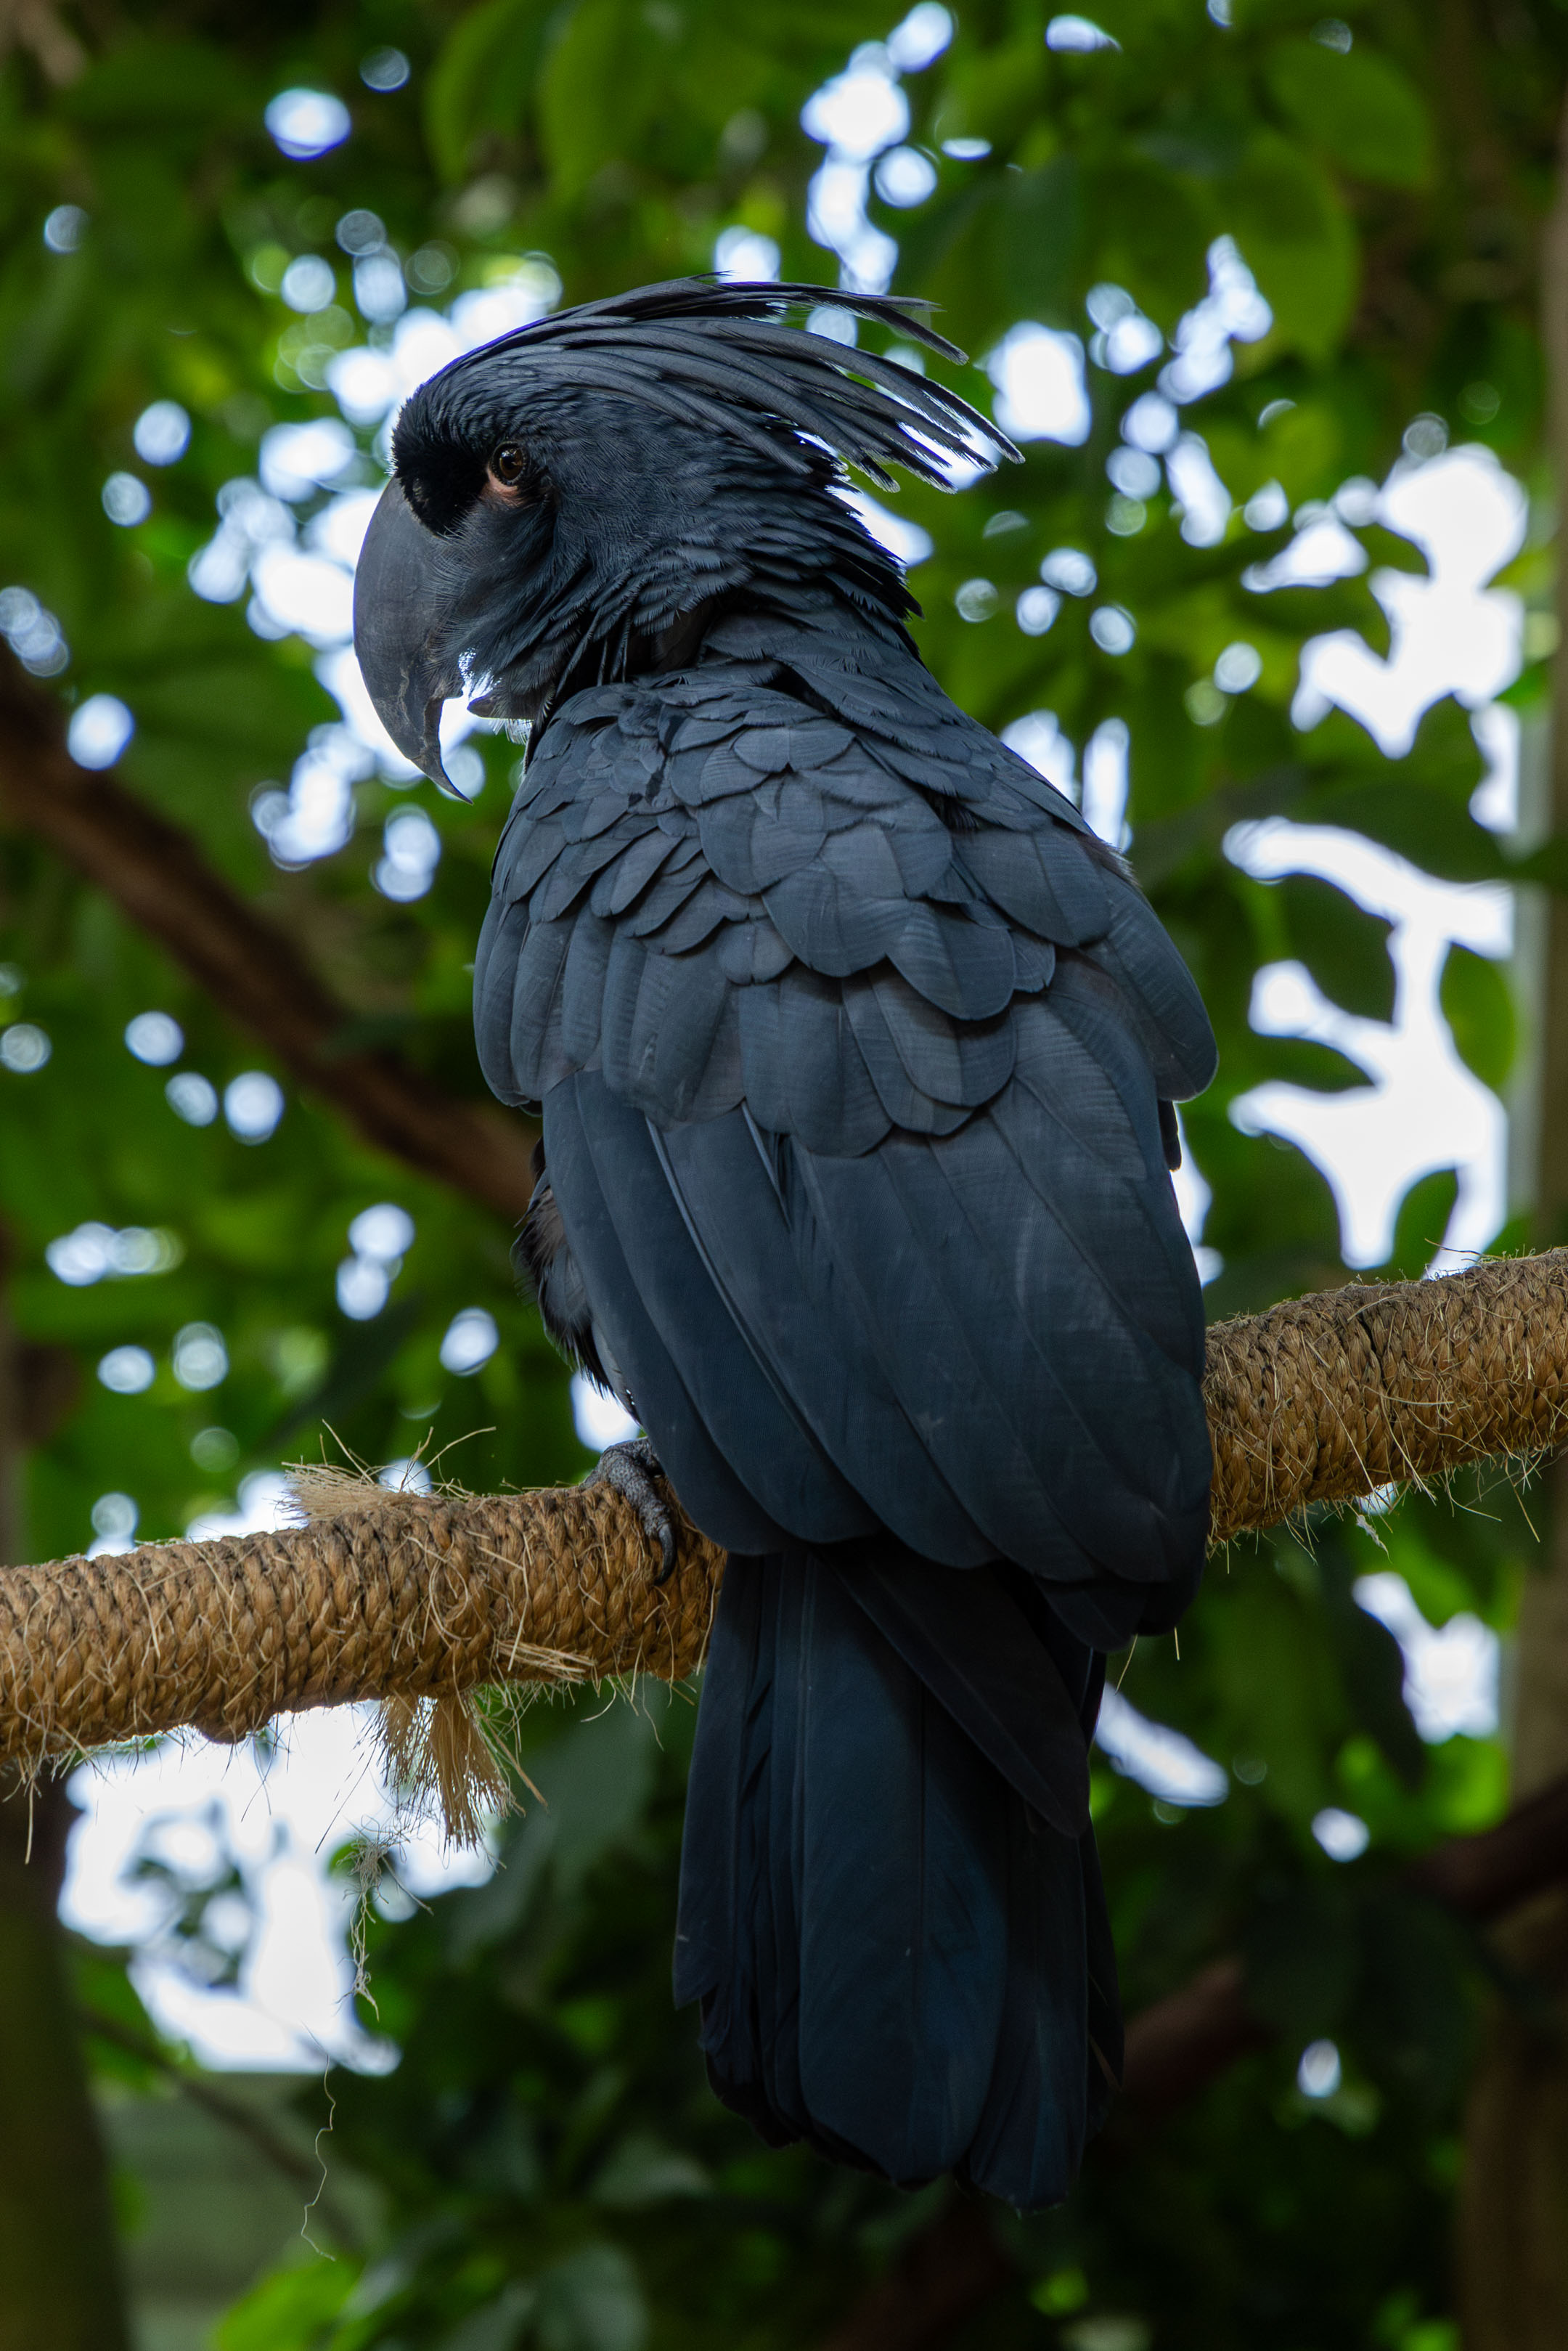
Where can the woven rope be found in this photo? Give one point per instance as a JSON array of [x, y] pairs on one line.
[[1327, 1399], [392, 1595]]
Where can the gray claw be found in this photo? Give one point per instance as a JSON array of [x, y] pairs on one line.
[[631, 1470]]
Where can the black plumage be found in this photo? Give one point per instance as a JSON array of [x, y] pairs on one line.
[[855, 1051]]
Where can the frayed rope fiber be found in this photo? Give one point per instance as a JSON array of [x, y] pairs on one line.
[[404, 1598]]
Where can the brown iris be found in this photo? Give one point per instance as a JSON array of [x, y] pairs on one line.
[[507, 466]]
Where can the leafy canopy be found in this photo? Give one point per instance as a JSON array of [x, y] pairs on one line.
[[551, 2168]]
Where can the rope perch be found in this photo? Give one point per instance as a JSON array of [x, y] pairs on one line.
[[402, 1597]]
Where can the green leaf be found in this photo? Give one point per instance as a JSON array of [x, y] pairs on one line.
[[1419, 1227], [1302, 1957], [1297, 239], [1302, 1061], [498, 2325], [1275, 1671], [1417, 2020], [144, 82], [483, 81], [1479, 1007], [1343, 947], [1407, 817], [591, 2302], [601, 90], [1357, 107], [290, 2310], [1002, 249], [1152, 230], [1371, 1664]]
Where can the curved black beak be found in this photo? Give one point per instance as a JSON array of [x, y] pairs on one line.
[[399, 612]]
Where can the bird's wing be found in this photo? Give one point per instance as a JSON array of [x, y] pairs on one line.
[[851, 1041], [694, 868]]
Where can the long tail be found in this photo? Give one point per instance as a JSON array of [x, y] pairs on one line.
[[891, 1907]]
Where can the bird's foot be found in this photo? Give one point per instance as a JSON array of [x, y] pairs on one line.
[[631, 1470]]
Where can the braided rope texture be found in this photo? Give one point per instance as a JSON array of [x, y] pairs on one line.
[[1328, 1399], [398, 1596], [393, 1595]]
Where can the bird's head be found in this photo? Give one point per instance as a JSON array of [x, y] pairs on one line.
[[576, 501]]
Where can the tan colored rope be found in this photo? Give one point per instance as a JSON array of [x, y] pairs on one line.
[[1327, 1399], [395, 1596]]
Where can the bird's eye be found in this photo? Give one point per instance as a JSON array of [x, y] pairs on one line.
[[509, 464]]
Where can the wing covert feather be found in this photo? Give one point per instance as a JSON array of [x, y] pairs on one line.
[[792, 844]]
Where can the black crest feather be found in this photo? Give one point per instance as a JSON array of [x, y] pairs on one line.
[[718, 355]]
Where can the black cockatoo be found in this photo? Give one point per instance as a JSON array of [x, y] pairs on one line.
[[855, 1051]]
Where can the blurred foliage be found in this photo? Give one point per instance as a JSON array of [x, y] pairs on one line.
[[551, 2168]]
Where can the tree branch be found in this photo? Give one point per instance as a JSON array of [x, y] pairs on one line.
[[1181, 2044], [249, 967], [306, 2172]]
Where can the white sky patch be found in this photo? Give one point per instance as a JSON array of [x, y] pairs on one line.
[[1039, 739], [295, 459], [906, 540], [1449, 633], [744, 256], [1233, 311], [1040, 392], [1422, 1108], [1077, 34], [1159, 1758], [1105, 782], [859, 113], [1343, 1836], [1495, 800], [411, 852], [1450, 1671], [921, 38], [307, 122], [600, 1420], [338, 671], [905, 177], [836, 217], [99, 729], [368, 381], [1194, 1199], [338, 531], [304, 595], [315, 816], [280, 1814], [471, 1339], [1126, 340], [857, 116], [1320, 2073], [1321, 551], [1204, 500]]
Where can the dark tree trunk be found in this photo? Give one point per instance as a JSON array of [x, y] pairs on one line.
[[60, 2287], [1513, 2207], [59, 2268]]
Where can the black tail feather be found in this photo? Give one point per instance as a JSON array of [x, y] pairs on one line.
[[899, 1959]]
